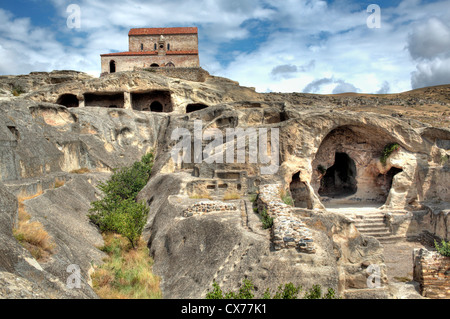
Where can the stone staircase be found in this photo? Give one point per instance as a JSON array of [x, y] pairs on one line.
[[372, 224]]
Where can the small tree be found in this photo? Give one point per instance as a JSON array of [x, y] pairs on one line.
[[118, 211]]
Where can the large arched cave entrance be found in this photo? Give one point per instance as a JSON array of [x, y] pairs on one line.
[[340, 179], [347, 168]]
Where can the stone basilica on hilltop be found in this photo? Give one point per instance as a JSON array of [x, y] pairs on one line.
[[155, 47]]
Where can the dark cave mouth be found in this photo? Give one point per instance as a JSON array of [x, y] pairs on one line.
[[339, 181]]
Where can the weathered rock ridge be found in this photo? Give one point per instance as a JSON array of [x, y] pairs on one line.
[[328, 156]]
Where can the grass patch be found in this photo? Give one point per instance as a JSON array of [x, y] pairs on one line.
[[231, 196], [204, 195], [286, 198], [32, 235], [83, 170], [59, 183], [266, 220], [127, 272], [402, 279], [252, 198]]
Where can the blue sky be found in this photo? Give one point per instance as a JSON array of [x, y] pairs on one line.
[[275, 46]]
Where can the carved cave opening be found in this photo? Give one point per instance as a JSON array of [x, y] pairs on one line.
[[68, 100], [195, 107], [340, 179], [108, 100], [385, 181], [153, 101], [299, 191]]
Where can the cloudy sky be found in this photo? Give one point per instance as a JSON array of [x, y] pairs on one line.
[[275, 46]]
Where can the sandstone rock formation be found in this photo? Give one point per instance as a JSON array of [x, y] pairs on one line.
[[328, 155]]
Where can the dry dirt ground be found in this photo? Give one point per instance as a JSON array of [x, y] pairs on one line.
[[399, 262], [398, 257]]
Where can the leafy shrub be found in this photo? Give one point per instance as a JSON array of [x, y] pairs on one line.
[[118, 211], [444, 248], [245, 291], [287, 291], [387, 151]]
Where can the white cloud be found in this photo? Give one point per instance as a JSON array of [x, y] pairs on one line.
[[305, 41], [429, 46]]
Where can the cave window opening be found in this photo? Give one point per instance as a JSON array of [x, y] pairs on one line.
[[154, 65], [68, 100], [156, 107], [387, 179], [340, 179], [195, 107]]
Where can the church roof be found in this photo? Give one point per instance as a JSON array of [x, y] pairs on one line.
[[163, 31], [130, 53]]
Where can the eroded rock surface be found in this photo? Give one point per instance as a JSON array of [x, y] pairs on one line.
[[327, 156]]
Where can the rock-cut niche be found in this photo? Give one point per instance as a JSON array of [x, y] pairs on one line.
[[195, 107], [153, 101], [105, 99], [68, 100]]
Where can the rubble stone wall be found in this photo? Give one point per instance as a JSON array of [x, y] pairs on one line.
[[432, 271]]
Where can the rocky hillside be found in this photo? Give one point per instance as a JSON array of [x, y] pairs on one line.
[[63, 132]]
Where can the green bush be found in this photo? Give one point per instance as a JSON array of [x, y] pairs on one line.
[[444, 248], [118, 211], [387, 151], [287, 291]]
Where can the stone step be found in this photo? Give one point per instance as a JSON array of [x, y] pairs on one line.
[[370, 225], [372, 222], [389, 239], [373, 230], [371, 218], [377, 234]]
